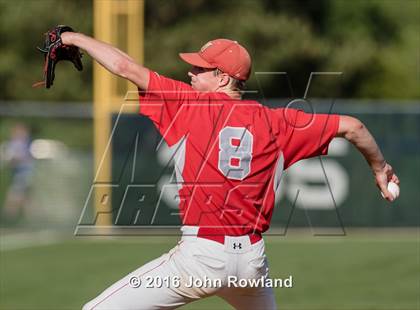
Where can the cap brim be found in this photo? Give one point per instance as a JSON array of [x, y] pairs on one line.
[[195, 60]]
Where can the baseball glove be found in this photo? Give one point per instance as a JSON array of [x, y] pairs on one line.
[[54, 50]]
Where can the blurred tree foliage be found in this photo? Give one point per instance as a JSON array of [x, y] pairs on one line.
[[374, 43]]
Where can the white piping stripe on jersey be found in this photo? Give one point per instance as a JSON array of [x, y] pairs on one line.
[[179, 160], [278, 174]]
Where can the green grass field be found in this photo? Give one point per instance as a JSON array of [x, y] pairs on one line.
[[337, 273]]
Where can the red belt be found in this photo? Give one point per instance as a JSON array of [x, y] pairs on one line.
[[219, 236]]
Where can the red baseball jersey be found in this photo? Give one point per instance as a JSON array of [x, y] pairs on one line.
[[230, 153]]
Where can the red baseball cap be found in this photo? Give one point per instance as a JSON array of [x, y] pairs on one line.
[[226, 55]]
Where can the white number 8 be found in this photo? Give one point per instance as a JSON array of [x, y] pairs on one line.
[[235, 152]]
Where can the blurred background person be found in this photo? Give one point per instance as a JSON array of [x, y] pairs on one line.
[[18, 158]]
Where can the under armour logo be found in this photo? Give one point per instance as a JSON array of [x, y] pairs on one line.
[[239, 246]]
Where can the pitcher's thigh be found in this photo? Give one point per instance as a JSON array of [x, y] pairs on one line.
[[125, 296], [261, 298]]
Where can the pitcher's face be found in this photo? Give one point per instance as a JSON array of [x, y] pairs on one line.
[[203, 79]]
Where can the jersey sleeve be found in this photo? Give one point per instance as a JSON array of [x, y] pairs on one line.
[[164, 103], [303, 135]]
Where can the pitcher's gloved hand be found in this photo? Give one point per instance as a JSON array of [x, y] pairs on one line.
[[54, 50]]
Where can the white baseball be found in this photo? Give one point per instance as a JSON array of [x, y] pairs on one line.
[[394, 189]]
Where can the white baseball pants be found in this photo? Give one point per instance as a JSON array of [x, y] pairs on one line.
[[195, 268]]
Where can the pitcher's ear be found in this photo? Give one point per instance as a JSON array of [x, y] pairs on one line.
[[224, 79]]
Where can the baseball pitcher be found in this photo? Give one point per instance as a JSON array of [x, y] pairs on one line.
[[231, 154]]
